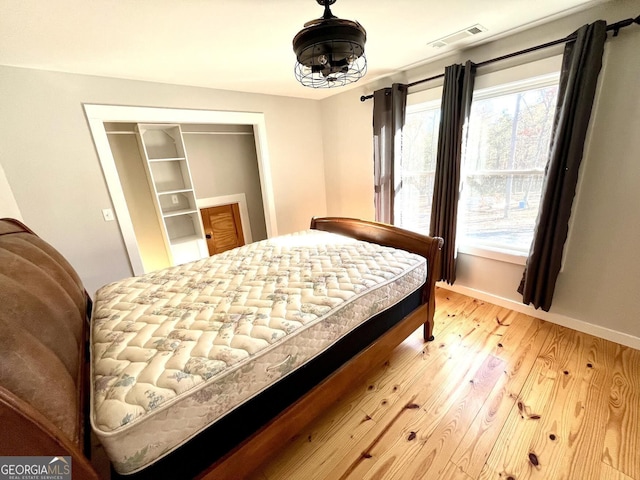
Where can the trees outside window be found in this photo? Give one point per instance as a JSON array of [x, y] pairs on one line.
[[503, 165], [416, 167]]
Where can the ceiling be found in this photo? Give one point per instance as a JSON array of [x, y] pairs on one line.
[[242, 45]]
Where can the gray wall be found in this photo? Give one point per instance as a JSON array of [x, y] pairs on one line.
[[50, 162], [228, 165]]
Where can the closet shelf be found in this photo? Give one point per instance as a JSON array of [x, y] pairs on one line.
[[180, 190], [168, 159], [185, 240], [175, 213]]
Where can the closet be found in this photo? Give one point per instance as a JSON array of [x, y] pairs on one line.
[[170, 173]]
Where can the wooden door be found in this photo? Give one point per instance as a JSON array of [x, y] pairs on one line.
[[222, 227]]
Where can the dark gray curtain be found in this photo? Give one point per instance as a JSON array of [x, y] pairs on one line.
[[580, 67], [389, 107], [456, 105]]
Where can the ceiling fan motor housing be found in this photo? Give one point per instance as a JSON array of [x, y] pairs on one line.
[[329, 45]]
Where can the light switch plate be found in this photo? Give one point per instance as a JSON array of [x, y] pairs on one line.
[[107, 214]]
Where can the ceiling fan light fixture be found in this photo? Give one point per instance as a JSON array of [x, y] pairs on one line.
[[330, 51]]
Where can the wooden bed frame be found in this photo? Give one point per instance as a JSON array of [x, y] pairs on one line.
[[253, 452], [30, 431]]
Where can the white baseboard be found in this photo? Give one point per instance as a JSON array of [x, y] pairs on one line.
[[575, 324]]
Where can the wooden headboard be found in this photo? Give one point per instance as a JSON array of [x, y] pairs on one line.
[[43, 325]]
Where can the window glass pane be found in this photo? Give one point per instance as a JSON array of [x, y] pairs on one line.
[[415, 170], [504, 162]]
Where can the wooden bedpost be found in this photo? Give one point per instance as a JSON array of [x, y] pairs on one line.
[[434, 260]]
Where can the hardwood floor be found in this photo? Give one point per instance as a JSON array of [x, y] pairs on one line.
[[498, 395]]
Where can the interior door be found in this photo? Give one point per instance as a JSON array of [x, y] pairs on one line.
[[222, 227]]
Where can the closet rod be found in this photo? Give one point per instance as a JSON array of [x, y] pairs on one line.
[[615, 27], [217, 133], [124, 132]]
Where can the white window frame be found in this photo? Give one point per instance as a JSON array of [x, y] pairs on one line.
[[424, 106]]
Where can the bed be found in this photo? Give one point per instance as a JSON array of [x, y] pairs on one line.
[[197, 371]]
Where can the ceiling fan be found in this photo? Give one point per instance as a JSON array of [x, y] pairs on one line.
[[330, 51]]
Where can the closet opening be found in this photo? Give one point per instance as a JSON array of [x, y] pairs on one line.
[[184, 183]]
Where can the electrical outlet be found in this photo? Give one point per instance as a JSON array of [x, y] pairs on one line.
[[107, 214], [174, 199]]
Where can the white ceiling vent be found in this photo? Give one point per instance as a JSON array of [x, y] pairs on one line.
[[457, 36]]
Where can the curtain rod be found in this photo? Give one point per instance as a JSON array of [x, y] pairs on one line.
[[615, 27]]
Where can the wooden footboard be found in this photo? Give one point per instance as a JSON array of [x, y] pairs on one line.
[[254, 451], [388, 235]]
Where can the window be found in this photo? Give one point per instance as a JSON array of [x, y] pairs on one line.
[[509, 133], [503, 165], [415, 170]]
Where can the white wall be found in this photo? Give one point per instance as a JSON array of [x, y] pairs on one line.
[[8, 206], [51, 164], [598, 289]]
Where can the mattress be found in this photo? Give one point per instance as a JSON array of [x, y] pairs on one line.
[[174, 351]]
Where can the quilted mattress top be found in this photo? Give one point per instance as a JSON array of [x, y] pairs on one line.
[[160, 335]]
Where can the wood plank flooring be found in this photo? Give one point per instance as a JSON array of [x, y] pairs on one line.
[[498, 395]]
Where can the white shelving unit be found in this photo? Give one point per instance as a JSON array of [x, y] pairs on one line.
[[168, 173]]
